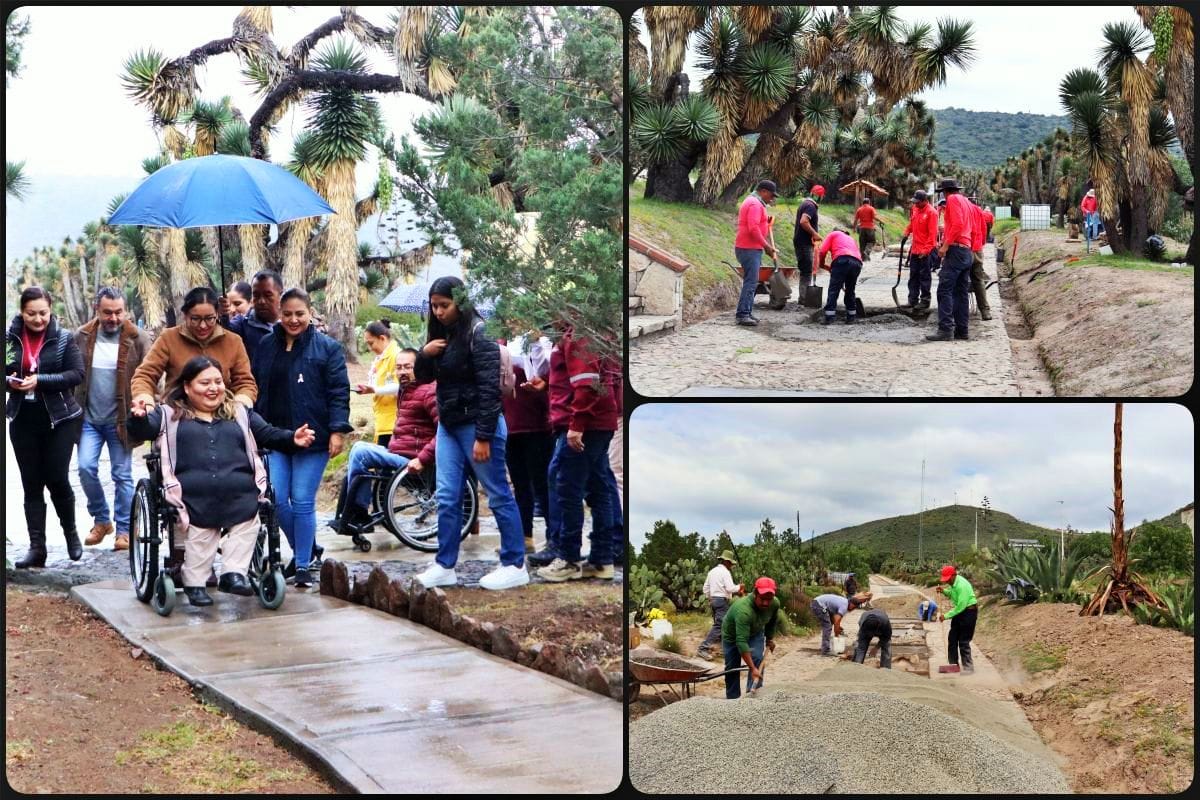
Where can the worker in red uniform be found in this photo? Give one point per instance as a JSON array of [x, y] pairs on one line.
[[843, 271], [1091, 217], [988, 219], [979, 278], [753, 237], [864, 223], [923, 227], [955, 277]]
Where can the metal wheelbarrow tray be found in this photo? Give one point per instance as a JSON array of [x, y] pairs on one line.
[[654, 675]]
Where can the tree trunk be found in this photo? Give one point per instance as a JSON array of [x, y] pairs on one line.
[[1193, 245], [1139, 228], [293, 254], [177, 266], [254, 250], [671, 181], [1120, 563], [772, 137], [341, 291]]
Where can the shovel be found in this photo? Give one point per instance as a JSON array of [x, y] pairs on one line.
[[761, 667], [899, 269]]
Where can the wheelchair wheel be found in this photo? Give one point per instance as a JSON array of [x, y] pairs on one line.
[[163, 599], [411, 509], [144, 539], [271, 589]]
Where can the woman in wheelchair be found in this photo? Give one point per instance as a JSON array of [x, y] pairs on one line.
[[212, 474]]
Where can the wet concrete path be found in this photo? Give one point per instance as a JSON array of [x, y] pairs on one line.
[[387, 705]]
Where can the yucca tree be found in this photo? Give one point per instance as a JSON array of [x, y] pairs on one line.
[[784, 73], [1133, 81], [16, 182], [305, 166], [343, 121], [1175, 54]]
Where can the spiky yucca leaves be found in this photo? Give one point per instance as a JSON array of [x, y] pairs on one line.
[[1161, 137], [16, 182], [785, 32], [234, 140], [165, 88], [822, 38], [174, 142], [767, 73], [154, 163], [637, 94], [954, 46], [207, 120]]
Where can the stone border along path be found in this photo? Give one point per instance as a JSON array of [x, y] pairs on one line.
[[383, 704], [790, 354]]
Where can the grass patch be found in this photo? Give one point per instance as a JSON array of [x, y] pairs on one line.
[[744, 350], [670, 642], [191, 758], [1110, 732], [17, 751], [1130, 262], [1040, 658], [1144, 303], [1002, 227]]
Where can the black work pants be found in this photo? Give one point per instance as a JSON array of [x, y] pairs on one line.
[[920, 279], [962, 631], [43, 455], [528, 460]]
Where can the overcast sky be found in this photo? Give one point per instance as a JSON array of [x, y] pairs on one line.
[[709, 467], [1022, 52], [66, 114]]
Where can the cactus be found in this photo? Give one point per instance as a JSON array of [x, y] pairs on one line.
[[645, 593], [683, 583]]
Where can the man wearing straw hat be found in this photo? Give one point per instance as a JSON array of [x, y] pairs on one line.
[[719, 588]]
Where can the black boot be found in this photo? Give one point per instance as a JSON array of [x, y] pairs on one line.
[[197, 596], [64, 506], [35, 519], [235, 583]]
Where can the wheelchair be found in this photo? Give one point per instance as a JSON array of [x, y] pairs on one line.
[[405, 503], [153, 525]]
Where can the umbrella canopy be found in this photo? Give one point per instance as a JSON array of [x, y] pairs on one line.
[[414, 299], [219, 190]]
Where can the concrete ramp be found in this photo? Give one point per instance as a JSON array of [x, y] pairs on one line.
[[386, 705]]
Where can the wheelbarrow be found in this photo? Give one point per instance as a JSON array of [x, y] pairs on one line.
[[654, 676], [764, 275]]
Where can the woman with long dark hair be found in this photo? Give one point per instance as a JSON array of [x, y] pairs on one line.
[[42, 369], [471, 433], [209, 444], [302, 379]]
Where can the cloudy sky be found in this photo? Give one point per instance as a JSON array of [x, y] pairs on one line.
[[83, 140], [709, 467], [1021, 53]]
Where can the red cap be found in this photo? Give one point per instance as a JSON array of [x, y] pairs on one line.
[[764, 586], [948, 573], [819, 190]]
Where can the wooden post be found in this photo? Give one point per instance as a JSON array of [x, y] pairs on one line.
[[1119, 543]]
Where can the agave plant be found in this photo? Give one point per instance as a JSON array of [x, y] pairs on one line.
[[1053, 575], [1177, 611]]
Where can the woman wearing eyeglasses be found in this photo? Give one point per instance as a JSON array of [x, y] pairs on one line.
[[198, 335]]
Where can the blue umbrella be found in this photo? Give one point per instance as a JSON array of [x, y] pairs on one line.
[[219, 190]]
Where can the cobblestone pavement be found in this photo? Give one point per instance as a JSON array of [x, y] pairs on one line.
[[791, 353]]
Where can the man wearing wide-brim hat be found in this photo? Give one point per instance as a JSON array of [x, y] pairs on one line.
[[719, 588], [954, 279]]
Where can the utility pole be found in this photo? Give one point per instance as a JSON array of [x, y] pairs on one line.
[[921, 517], [1062, 536], [977, 530]]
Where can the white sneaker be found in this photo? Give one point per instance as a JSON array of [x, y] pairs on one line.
[[437, 575], [504, 578]]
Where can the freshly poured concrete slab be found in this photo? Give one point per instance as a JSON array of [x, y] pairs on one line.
[[387, 705]]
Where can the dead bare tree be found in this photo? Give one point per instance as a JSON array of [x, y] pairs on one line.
[[1123, 587]]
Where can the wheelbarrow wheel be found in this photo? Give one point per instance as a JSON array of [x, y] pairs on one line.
[[635, 691]]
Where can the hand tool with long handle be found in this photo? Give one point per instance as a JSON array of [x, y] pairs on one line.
[[899, 268], [762, 665]]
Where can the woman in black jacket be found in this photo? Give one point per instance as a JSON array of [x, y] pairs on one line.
[[42, 367], [302, 379], [465, 362], [212, 473]]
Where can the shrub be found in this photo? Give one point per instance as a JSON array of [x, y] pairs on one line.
[[670, 643], [1159, 547]]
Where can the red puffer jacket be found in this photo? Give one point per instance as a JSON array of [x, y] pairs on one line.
[[415, 433]]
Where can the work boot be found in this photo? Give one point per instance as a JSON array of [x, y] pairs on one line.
[[603, 572], [985, 313], [962, 337], [921, 306], [851, 320], [97, 533], [121, 542], [541, 558], [748, 322], [561, 570], [940, 336], [827, 320]]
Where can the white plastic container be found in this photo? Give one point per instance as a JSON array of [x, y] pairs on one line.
[[660, 628], [839, 645]]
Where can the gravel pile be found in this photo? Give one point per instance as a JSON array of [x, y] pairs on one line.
[[792, 744]]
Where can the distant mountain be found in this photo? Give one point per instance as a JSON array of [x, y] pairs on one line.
[[983, 139], [944, 531]]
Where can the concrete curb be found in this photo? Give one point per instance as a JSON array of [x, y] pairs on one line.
[[405, 598]]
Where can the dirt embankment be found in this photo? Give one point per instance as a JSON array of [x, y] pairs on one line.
[[1115, 699], [85, 713], [1125, 329]]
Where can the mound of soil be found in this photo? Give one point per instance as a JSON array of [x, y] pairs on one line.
[[1116, 699]]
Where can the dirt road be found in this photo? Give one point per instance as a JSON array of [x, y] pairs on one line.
[[791, 353]]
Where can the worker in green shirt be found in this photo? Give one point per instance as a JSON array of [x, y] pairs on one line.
[[748, 628], [962, 615]]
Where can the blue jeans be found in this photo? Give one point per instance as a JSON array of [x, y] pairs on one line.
[[954, 282], [575, 476], [295, 478], [843, 272], [750, 260], [91, 441], [733, 660], [364, 457], [454, 456]]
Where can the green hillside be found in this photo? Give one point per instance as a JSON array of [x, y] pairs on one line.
[[983, 139], [946, 531]]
